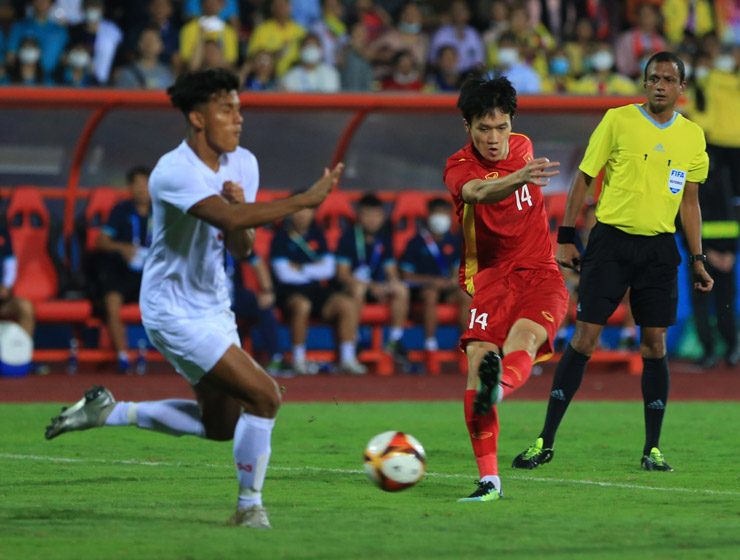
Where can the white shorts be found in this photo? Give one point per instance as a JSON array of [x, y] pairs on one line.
[[194, 346]]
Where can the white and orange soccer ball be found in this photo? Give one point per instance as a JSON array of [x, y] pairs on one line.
[[394, 461]]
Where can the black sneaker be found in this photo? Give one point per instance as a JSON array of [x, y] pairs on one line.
[[489, 378], [486, 492], [533, 457], [655, 461], [400, 356]]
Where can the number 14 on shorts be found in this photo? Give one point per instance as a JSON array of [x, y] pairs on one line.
[[481, 319]]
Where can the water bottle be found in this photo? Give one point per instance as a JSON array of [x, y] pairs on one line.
[[141, 358], [72, 362]]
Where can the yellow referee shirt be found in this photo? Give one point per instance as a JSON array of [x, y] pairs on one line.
[[647, 165]]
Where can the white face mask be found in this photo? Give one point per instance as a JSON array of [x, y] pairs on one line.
[[93, 15], [602, 60], [508, 56], [78, 59], [29, 55], [439, 224], [311, 54], [725, 63]]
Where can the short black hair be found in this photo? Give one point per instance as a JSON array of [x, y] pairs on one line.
[[195, 88], [137, 170], [438, 204], [665, 56], [481, 95], [369, 200]]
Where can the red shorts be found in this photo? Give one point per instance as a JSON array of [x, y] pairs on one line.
[[537, 295]]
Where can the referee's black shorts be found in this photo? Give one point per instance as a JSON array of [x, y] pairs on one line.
[[614, 261]]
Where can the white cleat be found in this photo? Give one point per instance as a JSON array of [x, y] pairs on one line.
[[352, 367], [302, 367], [255, 517], [90, 411]]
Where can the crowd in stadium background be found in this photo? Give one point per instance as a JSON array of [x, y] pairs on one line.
[[544, 46]]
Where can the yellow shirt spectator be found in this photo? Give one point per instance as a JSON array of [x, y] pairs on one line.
[[647, 165], [721, 118], [696, 16], [611, 84], [226, 38], [280, 39]]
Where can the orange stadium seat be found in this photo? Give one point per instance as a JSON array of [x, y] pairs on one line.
[[102, 200], [410, 206], [335, 213]]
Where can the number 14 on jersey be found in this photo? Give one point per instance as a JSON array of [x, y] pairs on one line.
[[522, 195]]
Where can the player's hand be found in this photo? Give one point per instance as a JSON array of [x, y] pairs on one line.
[[316, 194], [703, 283], [538, 171], [568, 256], [233, 193]]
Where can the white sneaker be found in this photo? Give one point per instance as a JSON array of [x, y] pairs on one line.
[[255, 517], [352, 367], [302, 367]]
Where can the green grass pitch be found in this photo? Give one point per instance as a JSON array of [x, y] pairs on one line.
[[127, 493]]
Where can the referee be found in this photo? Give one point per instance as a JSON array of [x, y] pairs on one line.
[[654, 160]]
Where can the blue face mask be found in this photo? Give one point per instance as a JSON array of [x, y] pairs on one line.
[[410, 28], [559, 66]]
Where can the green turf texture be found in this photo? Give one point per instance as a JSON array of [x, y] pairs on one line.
[[322, 507]]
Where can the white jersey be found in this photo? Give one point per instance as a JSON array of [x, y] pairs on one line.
[[184, 275]]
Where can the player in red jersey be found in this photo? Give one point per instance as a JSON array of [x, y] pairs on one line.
[[519, 298]]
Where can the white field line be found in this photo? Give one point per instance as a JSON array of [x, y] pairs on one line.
[[356, 471]]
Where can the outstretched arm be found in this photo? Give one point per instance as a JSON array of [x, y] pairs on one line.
[[491, 191]]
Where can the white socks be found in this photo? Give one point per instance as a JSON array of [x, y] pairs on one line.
[[299, 353], [395, 333], [431, 344], [493, 478], [251, 455], [176, 417], [347, 352]]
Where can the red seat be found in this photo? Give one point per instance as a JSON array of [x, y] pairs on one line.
[[333, 215], [28, 225], [102, 200], [410, 206]]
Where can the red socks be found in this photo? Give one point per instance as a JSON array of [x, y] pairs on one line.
[[483, 432], [517, 366]]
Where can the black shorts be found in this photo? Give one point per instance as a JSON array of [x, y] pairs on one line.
[[614, 261], [122, 280], [317, 294]]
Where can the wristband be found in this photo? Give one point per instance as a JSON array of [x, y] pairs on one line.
[[697, 258], [566, 235]]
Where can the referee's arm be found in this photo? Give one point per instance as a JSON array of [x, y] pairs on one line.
[[567, 254], [691, 223]]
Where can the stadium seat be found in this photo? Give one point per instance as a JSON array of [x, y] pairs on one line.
[[102, 200], [334, 214], [410, 206]]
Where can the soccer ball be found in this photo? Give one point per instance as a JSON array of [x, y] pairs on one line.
[[394, 461]]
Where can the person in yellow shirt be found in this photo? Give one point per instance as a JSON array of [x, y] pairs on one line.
[[601, 79], [209, 27], [654, 160], [279, 35]]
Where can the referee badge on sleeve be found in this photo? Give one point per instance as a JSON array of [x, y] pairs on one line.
[[676, 180]]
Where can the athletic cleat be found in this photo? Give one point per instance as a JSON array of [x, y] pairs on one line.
[[489, 379], [655, 461], [486, 492], [89, 412], [352, 367], [533, 457], [255, 517]]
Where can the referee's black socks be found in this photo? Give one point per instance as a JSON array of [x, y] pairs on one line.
[[565, 383], [655, 385]]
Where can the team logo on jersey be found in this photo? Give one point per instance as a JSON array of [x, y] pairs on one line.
[[492, 175], [676, 181], [527, 157], [547, 315], [659, 148], [482, 435]]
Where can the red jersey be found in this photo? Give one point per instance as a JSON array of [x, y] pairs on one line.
[[502, 237]]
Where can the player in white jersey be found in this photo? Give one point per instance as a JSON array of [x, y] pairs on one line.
[[203, 196]]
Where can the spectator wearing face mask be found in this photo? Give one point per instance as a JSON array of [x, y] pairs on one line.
[[311, 74], [147, 72], [209, 27], [100, 36], [405, 75], [601, 79], [510, 64], [50, 37], [560, 77], [331, 30], [77, 70], [407, 35], [430, 266], [27, 70]]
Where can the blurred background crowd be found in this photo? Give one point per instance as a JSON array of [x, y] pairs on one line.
[[544, 46]]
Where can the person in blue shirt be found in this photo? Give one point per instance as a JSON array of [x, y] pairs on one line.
[[125, 239], [303, 269], [366, 269], [11, 306], [51, 37], [430, 266], [256, 307]]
